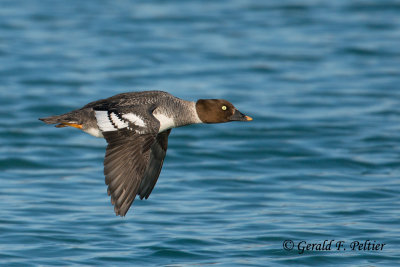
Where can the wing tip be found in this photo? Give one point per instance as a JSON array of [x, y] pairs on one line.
[[125, 165], [119, 212]]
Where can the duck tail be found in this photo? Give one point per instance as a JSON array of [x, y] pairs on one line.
[[61, 120]]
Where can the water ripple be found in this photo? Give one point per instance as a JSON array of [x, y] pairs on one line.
[[320, 161]]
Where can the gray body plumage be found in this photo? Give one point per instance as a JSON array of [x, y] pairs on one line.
[[136, 127]]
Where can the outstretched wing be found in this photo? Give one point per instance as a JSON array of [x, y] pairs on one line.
[[134, 155], [157, 155], [127, 158]]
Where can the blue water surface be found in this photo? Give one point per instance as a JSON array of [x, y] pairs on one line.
[[320, 161]]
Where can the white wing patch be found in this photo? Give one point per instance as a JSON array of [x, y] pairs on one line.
[[117, 122], [111, 122], [104, 122], [165, 122], [135, 119]]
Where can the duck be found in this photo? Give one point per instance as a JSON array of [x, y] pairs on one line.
[[136, 126]]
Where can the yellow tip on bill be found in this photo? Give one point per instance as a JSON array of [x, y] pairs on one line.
[[248, 118]]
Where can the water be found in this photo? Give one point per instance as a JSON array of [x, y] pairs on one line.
[[319, 162]]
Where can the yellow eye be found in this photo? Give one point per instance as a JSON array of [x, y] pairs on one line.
[[223, 107]]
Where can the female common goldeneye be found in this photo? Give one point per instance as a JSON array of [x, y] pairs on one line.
[[136, 127]]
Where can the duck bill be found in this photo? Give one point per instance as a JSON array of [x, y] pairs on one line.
[[239, 116]]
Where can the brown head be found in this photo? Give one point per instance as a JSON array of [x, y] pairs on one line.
[[218, 110]]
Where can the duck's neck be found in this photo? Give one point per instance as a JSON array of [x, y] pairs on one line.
[[180, 113]]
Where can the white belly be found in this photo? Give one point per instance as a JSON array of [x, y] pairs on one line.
[[165, 122], [95, 132]]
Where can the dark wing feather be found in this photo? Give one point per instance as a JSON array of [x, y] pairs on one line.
[[125, 163], [157, 155]]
